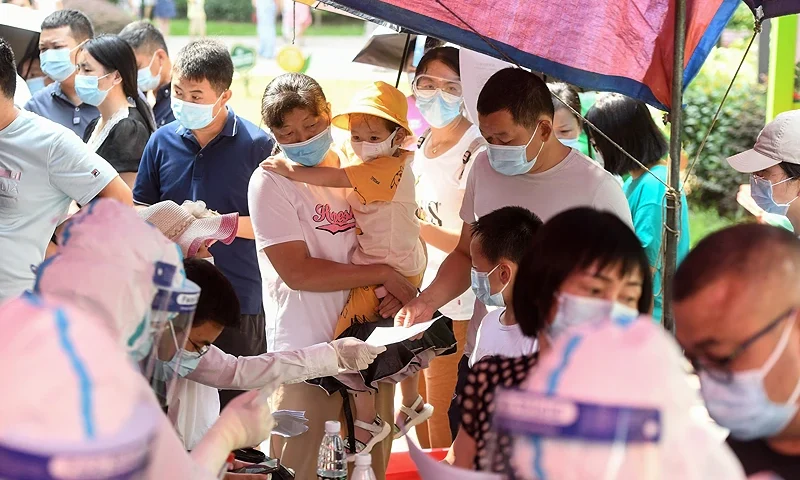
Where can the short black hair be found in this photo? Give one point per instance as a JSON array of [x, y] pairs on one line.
[[447, 55], [571, 241], [629, 123], [8, 70], [506, 233], [568, 95], [792, 170], [218, 301], [289, 91], [143, 36], [522, 93], [78, 23], [735, 250], [205, 60]]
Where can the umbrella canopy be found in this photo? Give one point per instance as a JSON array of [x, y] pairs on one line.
[[20, 28], [623, 46], [774, 8], [386, 49]]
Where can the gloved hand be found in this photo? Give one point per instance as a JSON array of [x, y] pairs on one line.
[[246, 421], [355, 355]]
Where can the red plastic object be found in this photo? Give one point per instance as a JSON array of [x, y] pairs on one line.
[[401, 467]]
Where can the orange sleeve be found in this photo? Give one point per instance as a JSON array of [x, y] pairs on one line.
[[376, 180]]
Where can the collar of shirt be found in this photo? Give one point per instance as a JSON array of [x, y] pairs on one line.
[[57, 92], [162, 110], [229, 130]]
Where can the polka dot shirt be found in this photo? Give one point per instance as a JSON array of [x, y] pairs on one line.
[[493, 452]]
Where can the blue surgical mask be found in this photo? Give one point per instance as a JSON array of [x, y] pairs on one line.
[[440, 109], [35, 84], [761, 191], [145, 78], [57, 64], [311, 152], [571, 142], [483, 289], [512, 159], [743, 406], [194, 116], [182, 363], [574, 310], [88, 90]]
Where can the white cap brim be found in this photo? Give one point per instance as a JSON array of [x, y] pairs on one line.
[[751, 161]]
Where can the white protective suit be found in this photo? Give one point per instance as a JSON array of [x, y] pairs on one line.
[[71, 390], [195, 405], [105, 264], [610, 365]]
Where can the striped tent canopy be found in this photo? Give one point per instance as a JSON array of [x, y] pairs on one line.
[[623, 46]]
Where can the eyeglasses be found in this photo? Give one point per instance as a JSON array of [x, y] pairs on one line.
[[719, 369], [201, 349], [426, 86]]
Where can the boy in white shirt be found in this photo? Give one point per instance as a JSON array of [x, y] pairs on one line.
[[499, 241]]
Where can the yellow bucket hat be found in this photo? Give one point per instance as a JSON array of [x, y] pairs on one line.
[[379, 99]]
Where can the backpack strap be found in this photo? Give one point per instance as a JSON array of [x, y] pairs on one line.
[[474, 147]]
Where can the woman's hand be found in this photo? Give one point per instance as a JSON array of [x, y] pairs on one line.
[[278, 165], [416, 311], [400, 288]]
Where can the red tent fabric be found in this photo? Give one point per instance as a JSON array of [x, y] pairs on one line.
[[623, 46]]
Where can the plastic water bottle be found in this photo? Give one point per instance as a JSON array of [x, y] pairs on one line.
[[332, 463], [363, 470]]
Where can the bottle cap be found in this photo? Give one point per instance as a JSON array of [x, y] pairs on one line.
[[332, 427], [363, 459]]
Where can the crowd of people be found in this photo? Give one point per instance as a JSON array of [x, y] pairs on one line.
[[186, 284]]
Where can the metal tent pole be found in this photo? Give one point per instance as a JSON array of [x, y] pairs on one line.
[[673, 199], [403, 61]]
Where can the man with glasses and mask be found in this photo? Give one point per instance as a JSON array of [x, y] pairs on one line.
[[63, 32], [737, 311], [209, 154]]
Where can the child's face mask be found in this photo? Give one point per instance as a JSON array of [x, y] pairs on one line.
[[367, 151]]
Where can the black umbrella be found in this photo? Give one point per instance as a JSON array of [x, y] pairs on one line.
[[387, 50], [20, 28]]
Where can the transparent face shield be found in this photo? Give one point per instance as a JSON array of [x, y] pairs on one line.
[[170, 321], [546, 438]]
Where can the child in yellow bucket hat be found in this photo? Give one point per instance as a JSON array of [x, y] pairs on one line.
[[384, 205]]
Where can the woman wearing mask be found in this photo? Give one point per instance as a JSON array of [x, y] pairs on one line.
[[106, 78], [628, 122], [774, 168], [306, 236], [584, 266], [442, 163], [566, 124]]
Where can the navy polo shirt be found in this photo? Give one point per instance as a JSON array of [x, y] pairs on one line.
[[174, 167], [162, 110], [51, 103]]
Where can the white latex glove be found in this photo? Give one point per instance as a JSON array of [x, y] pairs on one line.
[[246, 421], [355, 355]]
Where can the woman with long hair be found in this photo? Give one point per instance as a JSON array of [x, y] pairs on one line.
[[106, 78]]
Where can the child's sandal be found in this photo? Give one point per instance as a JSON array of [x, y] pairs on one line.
[[414, 417], [379, 429]]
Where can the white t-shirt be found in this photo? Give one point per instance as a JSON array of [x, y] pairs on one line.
[[575, 182], [285, 211], [494, 338], [441, 182], [43, 167]]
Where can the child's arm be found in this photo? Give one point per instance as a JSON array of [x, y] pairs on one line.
[[321, 176]]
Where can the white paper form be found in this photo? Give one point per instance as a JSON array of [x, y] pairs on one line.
[[430, 469], [476, 68], [382, 336]]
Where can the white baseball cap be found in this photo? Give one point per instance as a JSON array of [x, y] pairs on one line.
[[778, 142]]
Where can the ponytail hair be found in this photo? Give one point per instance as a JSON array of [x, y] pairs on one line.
[[115, 54]]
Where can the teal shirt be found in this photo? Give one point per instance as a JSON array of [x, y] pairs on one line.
[[646, 199]]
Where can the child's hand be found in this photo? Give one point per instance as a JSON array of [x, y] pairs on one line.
[[281, 166]]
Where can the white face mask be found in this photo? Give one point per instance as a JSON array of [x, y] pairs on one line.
[[574, 310], [367, 151]]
